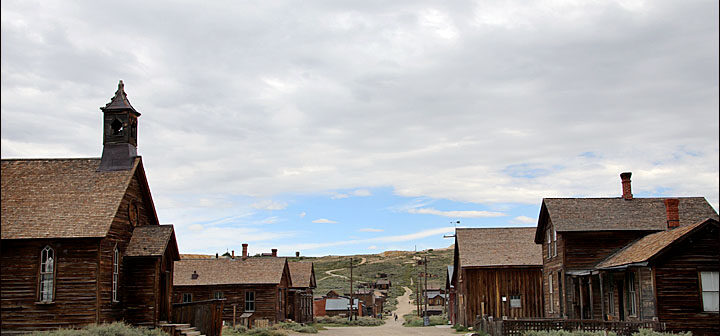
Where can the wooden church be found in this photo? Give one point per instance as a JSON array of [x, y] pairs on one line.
[[81, 241]]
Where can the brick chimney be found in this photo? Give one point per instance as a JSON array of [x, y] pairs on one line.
[[627, 191], [673, 212], [297, 254], [233, 254], [274, 252], [244, 255]]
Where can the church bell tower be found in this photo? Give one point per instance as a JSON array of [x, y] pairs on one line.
[[120, 121]]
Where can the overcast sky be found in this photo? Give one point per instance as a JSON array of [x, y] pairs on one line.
[[336, 127]]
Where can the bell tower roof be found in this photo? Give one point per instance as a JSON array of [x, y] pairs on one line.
[[120, 101]]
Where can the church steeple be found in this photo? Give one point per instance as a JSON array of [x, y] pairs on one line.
[[120, 122]]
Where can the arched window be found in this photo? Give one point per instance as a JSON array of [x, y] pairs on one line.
[[116, 274], [47, 274]]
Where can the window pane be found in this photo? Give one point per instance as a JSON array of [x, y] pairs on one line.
[[710, 301], [709, 281]]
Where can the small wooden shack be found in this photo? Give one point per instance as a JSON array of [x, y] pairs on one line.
[[497, 273], [302, 275], [255, 288], [81, 241]]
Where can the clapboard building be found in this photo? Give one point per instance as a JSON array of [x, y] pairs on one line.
[[302, 276], [81, 241], [631, 259], [496, 272]]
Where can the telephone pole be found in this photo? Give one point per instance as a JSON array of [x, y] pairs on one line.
[[425, 316], [351, 289]]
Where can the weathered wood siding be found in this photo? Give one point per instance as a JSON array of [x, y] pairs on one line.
[[301, 309], [141, 289], [485, 288], [266, 300], [583, 250], [75, 302], [677, 280], [553, 264]]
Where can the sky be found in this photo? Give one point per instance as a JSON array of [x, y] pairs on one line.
[[355, 127]]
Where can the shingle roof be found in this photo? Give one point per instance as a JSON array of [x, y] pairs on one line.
[[119, 101], [647, 247], [60, 198], [149, 240], [594, 214], [225, 271], [485, 247], [301, 273]]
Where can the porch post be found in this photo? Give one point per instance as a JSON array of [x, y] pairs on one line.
[[602, 296], [590, 286], [582, 306]]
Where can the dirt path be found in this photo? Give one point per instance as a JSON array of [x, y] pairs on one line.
[[331, 274], [391, 327]]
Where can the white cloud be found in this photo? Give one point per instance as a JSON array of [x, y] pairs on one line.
[[524, 220], [372, 247], [324, 221], [456, 214], [302, 214], [370, 230], [269, 205], [358, 193]]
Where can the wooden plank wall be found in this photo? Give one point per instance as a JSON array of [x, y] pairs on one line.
[[485, 287], [139, 292], [265, 299], [677, 282], [75, 287]]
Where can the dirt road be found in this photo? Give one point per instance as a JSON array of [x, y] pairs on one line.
[[391, 327]]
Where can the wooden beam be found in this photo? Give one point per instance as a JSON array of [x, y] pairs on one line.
[[602, 296], [590, 286]]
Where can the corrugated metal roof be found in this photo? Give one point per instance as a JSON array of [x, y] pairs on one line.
[[340, 303]]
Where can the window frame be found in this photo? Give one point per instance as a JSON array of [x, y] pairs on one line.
[[551, 293], [218, 295], [554, 242], [549, 244], [703, 291], [115, 274], [632, 294], [187, 297], [248, 301], [41, 297]]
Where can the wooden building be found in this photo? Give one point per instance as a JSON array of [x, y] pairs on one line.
[[497, 273], [450, 303], [255, 288], [586, 240], [302, 278], [337, 306], [81, 241]]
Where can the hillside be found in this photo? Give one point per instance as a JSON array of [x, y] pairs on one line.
[[333, 272]]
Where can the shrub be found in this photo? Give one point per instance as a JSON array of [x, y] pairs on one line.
[[112, 329], [339, 320], [568, 333], [650, 332]]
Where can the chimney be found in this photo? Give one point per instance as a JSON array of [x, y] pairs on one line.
[[673, 213], [233, 254], [217, 256], [244, 255], [627, 191], [297, 254], [194, 275], [274, 252]]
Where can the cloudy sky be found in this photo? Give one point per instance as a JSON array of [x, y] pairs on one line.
[[337, 127]]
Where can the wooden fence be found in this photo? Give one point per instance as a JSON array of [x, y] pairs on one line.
[[520, 326], [206, 315]]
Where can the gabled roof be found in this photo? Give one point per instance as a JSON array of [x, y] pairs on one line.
[[302, 274], [645, 248], [151, 240], [494, 247], [63, 198], [603, 214], [223, 271]]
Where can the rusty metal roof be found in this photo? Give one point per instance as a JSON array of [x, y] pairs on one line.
[[651, 245], [60, 198], [225, 271], [487, 247]]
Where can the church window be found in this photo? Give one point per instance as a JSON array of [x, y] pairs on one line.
[[47, 274]]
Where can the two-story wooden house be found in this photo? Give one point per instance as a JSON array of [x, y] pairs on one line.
[[81, 241], [497, 272], [587, 241]]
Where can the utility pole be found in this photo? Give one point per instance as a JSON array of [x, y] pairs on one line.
[[351, 289], [425, 316], [417, 289]]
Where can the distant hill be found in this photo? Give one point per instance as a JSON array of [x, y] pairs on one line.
[[333, 272]]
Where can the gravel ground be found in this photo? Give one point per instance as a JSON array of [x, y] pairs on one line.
[[391, 327]]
